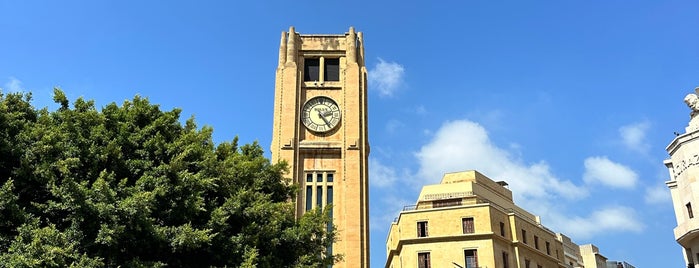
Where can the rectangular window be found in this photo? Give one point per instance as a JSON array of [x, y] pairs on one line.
[[524, 236], [315, 186], [329, 177], [689, 210], [548, 248], [422, 229], [502, 229], [471, 257], [467, 224], [423, 260], [526, 263], [329, 200], [505, 260], [309, 198], [330, 197], [311, 69], [319, 196], [538, 266], [332, 70], [536, 242]]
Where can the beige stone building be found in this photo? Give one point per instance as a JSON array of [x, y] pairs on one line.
[[586, 256], [683, 166], [571, 252], [320, 129], [468, 220], [591, 257]]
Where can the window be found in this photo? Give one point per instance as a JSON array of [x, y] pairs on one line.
[[423, 260], [315, 198], [311, 69], [332, 70], [329, 201], [505, 261], [536, 242], [689, 210], [548, 248], [538, 266], [467, 224], [524, 236], [330, 198], [471, 257], [422, 229], [316, 183], [321, 69], [526, 263], [502, 229], [309, 198], [319, 196]]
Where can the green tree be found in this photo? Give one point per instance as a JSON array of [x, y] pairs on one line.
[[131, 186]]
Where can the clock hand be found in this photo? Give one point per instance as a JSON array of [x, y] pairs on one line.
[[323, 117], [327, 113]]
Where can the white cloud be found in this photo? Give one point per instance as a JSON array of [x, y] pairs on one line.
[[465, 145], [386, 77], [381, 175], [633, 136], [658, 195], [602, 170], [610, 219], [14, 85]]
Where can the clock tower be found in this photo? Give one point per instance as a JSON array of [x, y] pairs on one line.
[[320, 129]]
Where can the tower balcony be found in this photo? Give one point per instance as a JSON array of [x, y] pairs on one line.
[[687, 231]]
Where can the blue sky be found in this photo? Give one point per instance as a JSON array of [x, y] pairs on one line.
[[571, 102]]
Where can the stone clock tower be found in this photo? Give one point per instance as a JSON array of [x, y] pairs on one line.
[[320, 129]]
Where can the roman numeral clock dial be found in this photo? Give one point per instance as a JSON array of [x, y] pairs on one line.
[[320, 114]]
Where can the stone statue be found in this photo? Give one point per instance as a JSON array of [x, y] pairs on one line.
[[692, 101]]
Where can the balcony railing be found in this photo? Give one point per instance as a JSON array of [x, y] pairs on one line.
[[472, 201], [469, 264], [428, 197]]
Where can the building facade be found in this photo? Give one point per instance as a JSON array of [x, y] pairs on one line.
[[586, 256], [591, 257], [619, 264], [683, 166], [571, 252], [320, 130], [468, 220]]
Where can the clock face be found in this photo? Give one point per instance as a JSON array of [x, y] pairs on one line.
[[320, 114]]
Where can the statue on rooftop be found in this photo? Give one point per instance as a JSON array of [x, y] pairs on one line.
[[692, 101]]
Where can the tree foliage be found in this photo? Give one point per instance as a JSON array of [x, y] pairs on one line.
[[131, 186]]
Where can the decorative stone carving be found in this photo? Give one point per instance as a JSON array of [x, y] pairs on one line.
[[692, 101]]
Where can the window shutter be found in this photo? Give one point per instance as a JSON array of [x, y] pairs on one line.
[[427, 260]]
